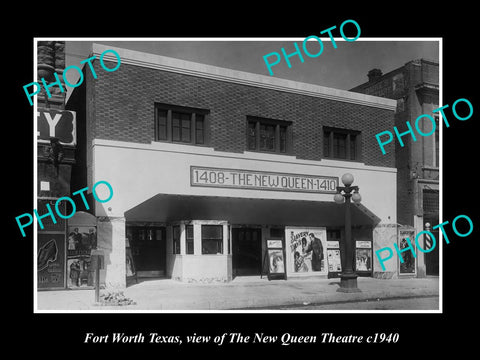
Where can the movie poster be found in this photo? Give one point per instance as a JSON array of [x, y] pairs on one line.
[[51, 261], [363, 256], [363, 260], [81, 240], [306, 250], [276, 261], [334, 262]]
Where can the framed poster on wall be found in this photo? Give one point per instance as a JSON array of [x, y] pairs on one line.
[[306, 250], [363, 258], [274, 260], [81, 240], [409, 264], [51, 261]]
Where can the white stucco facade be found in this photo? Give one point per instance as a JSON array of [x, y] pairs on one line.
[[139, 172]]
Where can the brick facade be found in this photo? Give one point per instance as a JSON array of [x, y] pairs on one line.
[[415, 87], [120, 106]]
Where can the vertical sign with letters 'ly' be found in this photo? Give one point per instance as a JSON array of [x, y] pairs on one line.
[[60, 124]]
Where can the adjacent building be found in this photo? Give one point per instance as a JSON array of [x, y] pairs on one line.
[[56, 140], [219, 173], [415, 86]]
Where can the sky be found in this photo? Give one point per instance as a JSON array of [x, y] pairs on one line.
[[343, 67]]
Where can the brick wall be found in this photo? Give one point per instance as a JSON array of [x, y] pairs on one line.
[[123, 109], [410, 158]]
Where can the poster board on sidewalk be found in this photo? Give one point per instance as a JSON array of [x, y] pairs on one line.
[[274, 260], [333, 259]]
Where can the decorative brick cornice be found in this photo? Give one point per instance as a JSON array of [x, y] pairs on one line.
[[163, 63]]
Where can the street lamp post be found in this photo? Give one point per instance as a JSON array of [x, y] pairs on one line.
[[348, 279]]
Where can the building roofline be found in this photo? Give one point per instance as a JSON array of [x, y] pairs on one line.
[[164, 63], [394, 71]]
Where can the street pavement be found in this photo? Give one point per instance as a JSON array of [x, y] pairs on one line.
[[247, 294], [410, 303]]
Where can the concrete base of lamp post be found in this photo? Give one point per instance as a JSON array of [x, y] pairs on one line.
[[348, 284]]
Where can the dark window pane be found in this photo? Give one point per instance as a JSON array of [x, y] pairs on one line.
[[199, 129], [431, 201], [159, 234], [212, 239], [212, 246], [189, 239], [189, 229], [340, 146], [212, 231], [252, 136], [175, 126], [176, 239], [267, 137], [186, 127], [353, 147], [326, 144], [162, 125], [185, 130], [283, 139], [229, 240], [150, 234]]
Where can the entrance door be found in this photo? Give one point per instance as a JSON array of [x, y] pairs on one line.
[[148, 244], [246, 251]]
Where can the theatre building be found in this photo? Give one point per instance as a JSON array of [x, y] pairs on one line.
[[218, 173]]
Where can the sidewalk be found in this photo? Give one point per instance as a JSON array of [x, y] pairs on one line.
[[241, 293]]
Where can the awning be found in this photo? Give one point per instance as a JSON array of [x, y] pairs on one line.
[[248, 211]]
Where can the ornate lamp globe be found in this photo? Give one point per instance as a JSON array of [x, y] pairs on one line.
[[356, 197], [338, 198], [347, 179]]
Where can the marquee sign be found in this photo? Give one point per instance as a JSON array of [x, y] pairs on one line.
[[56, 123], [261, 180]]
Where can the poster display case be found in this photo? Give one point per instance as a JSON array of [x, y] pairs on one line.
[[363, 258], [306, 250], [274, 259]]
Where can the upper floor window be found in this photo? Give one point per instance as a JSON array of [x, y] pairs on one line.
[[341, 144], [268, 135], [180, 124]]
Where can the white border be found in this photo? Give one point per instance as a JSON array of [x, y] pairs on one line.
[[123, 311]]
